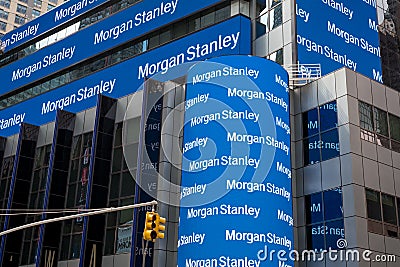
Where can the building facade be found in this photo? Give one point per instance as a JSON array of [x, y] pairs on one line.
[[91, 117]]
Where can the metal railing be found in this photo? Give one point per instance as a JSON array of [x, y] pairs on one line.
[[301, 74]]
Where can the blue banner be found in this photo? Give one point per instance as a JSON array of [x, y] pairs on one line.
[[48, 21], [104, 35], [236, 200], [346, 35], [229, 37]]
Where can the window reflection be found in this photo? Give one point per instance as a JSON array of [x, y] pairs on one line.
[[383, 211], [324, 219], [269, 16], [320, 126], [377, 126]]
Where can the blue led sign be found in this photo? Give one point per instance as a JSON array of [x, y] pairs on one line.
[[115, 30], [345, 35], [236, 201], [229, 37], [47, 22]]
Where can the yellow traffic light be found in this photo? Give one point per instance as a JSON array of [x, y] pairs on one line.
[[153, 225], [149, 232], [160, 226]]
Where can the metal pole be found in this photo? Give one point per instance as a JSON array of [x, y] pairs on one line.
[[106, 210]]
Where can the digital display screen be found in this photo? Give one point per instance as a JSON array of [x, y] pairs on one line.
[[128, 76], [338, 34], [236, 172], [115, 30]]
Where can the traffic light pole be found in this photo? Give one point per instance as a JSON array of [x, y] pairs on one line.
[[96, 212]]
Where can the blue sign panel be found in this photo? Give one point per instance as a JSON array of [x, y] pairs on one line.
[[115, 30], [229, 37], [346, 35], [47, 21], [236, 201]]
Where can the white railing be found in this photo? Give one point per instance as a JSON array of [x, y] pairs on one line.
[[301, 74]]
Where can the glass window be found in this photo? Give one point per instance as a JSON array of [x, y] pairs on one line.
[[398, 211], [394, 122], [50, 7], [114, 187], [19, 19], [118, 135], [117, 159], [334, 232], [21, 9], [329, 143], [35, 13], [333, 202], [366, 117], [37, 3], [109, 243], [277, 56], [222, 13], [207, 20], [315, 236], [24, 1], [313, 205], [194, 24], [324, 211], [261, 7], [389, 209], [312, 151], [71, 196], [64, 248], [270, 16], [5, 3], [261, 25], [244, 7], [311, 148], [75, 246], [276, 14], [3, 25], [328, 116], [395, 146], [126, 216], [373, 204], [76, 146], [33, 253], [154, 41], [310, 122], [165, 36], [3, 14], [25, 251], [112, 217], [377, 127], [180, 29], [53, 1], [381, 122], [128, 185], [383, 141]]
